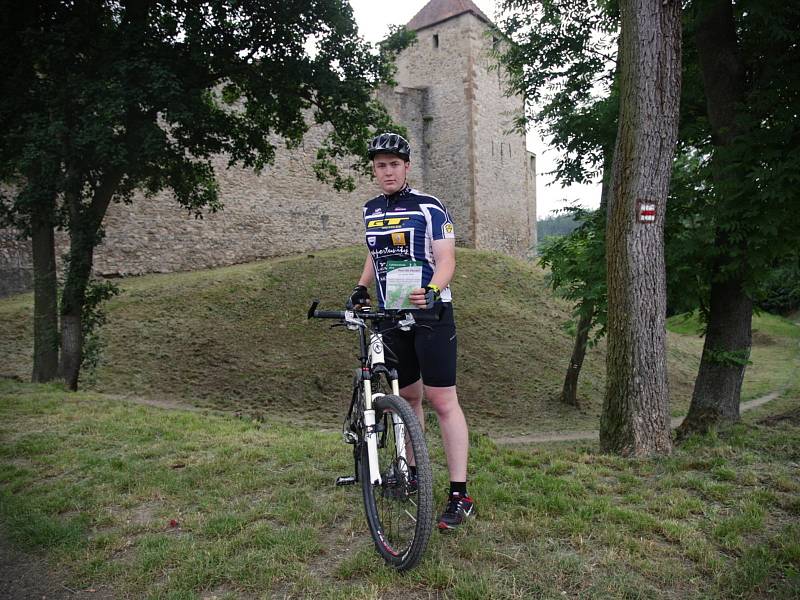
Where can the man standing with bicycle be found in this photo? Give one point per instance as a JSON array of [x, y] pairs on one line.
[[411, 243]]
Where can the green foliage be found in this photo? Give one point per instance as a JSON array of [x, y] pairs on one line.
[[780, 291], [100, 98], [728, 358], [92, 320], [154, 90], [748, 223], [732, 210], [577, 266], [562, 59]]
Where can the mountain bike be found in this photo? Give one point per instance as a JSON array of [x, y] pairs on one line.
[[387, 441]]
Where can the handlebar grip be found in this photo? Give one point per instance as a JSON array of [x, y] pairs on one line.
[[328, 314]]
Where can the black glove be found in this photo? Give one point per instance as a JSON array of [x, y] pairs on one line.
[[432, 294], [359, 298]]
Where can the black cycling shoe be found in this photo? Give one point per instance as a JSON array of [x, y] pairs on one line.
[[458, 510]]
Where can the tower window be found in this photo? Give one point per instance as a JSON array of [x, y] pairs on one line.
[[435, 40]]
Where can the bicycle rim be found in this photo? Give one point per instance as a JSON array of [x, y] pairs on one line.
[[399, 518]]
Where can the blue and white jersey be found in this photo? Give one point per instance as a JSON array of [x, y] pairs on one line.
[[403, 226]]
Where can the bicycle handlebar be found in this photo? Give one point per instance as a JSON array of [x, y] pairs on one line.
[[392, 315]]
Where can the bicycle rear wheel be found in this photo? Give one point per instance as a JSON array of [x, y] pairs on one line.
[[399, 514]]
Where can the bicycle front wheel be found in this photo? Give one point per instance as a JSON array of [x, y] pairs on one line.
[[399, 510]]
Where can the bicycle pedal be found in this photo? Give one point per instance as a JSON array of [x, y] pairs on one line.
[[349, 437], [345, 480]]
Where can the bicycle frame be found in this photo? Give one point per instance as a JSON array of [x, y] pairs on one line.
[[373, 363]]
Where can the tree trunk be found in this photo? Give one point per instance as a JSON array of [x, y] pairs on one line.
[[85, 232], [715, 399], [72, 301], [45, 305], [718, 386], [569, 395], [635, 419]]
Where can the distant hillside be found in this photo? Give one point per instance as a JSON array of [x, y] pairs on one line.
[[555, 226], [238, 338]]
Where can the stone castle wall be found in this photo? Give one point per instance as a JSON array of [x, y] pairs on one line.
[[457, 119], [505, 171]]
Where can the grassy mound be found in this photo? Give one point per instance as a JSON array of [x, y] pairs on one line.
[[237, 338]]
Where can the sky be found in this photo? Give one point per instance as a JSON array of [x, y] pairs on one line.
[[375, 16]]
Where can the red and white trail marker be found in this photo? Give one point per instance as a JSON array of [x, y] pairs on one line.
[[645, 211]]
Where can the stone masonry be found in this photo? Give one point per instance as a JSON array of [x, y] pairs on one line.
[[459, 122]]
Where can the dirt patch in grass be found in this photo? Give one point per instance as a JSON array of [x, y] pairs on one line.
[[26, 576], [763, 339], [791, 416]]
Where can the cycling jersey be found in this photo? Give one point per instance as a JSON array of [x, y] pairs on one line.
[[403, 226]]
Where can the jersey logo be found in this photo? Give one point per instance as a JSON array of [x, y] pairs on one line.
[[390, 222], [448, 228], [399, 238]]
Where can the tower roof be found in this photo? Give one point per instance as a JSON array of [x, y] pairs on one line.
[[437, 11]]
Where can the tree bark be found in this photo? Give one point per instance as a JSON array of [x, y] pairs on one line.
[[45, 304], [635, 418], [569, 394], [717, 389], [73, 299], [715, 399], [84, 234]]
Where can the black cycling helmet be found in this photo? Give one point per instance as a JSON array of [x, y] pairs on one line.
[[389, 143]]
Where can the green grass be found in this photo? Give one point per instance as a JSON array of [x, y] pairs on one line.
[[774, 356], [237, 339], [162, 503]]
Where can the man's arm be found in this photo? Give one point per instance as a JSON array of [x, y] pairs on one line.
[[444, 255], [368, 273]]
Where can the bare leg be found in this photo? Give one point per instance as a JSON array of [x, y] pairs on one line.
[[413, 395], [444, 401], [455, 438]]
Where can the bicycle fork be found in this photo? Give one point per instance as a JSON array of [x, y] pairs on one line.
[[376, 357], [376, 354]]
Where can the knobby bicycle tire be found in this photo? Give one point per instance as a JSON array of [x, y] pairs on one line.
[[399, 519]]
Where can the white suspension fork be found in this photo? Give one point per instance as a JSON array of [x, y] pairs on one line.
[[376, 357]]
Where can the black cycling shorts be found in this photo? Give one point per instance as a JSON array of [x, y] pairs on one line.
[[427, 350]]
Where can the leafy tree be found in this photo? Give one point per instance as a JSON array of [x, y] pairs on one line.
[[750, 70], [575, 274], [563, 60], [101, 98], [720, 229]]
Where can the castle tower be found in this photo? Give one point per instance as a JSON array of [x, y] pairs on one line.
[[460, 123]]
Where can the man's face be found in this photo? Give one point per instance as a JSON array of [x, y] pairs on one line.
[[390, 171]]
